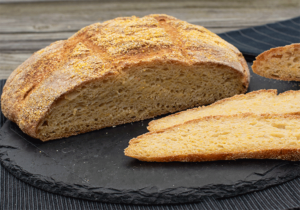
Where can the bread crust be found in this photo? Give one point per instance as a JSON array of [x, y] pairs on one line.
[[106, 49], [283, 154], [274, 51]]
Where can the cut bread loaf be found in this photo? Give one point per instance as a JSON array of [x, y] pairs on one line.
[[120, 71], [222, 138], [258, 102], [282, 63]]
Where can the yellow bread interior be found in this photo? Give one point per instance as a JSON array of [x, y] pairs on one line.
[[282, 63], [258, 102], [222, 138], [139, 93]]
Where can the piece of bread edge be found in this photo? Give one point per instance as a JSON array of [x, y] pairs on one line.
[[261, 56]]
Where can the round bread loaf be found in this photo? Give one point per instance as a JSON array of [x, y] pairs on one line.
[[120, 71]]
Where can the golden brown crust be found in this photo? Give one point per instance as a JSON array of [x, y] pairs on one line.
[[100, 50], [278, 51], [284, 154]]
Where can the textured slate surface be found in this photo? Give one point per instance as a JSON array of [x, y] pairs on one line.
[[255, 40], [92, 166]]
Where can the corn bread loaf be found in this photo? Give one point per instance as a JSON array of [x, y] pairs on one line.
[[120, 71], [222, 138], [282, 63], [258, 102]]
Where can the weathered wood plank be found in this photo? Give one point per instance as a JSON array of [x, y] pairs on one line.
[[27, 46], [69, 17], [29, 25], [70, 28], [34, 1], [34, 36], [9, 62]]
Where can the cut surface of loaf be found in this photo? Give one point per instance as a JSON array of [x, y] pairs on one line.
[[222, 138], [282, 63], [120, 71], [258, 102]]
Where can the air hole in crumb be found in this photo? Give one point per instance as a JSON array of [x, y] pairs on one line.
[[140, 112], [278, 135], [277, 125], [296, 59], [227, 79], [45, 123], [277, 56]]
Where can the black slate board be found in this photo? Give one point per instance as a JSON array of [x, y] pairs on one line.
[[92, 166], [255, 40]]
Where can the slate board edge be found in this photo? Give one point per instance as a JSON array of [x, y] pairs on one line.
[[149, 195]]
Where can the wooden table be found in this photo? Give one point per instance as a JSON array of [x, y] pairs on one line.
[[29, 25]]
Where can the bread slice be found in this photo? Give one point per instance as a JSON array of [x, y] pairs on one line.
[[281, 63], [258, 102], [213, 138], [120, 71]]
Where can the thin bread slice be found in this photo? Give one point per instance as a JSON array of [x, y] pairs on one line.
[[258, 102], [282, 63], [214, 138]]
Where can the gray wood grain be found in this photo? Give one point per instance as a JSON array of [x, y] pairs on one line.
[[29, 25], [9, 62]]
